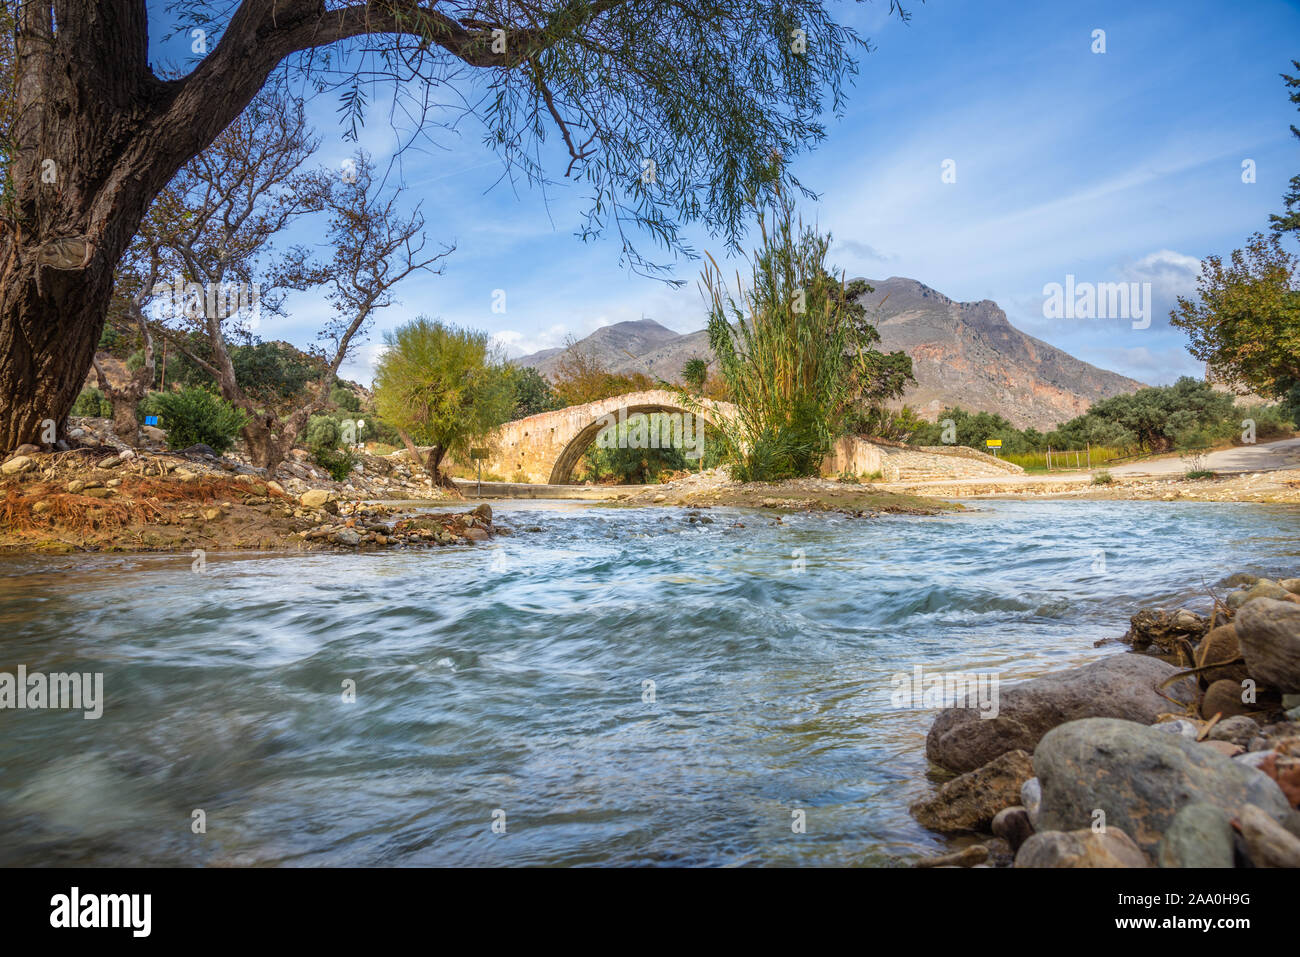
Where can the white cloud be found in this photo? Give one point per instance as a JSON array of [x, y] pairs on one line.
[[1171, 274]]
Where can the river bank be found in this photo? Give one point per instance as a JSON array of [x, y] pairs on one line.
[[1182, 752], [105, 498], [108, 500]]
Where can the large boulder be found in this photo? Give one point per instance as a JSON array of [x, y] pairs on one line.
[[1269, 634], [971, 801], [1082, 848], [1140, 778], [1119, 686], [317, 498]]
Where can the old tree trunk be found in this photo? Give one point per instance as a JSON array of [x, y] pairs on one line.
[[95, 136]]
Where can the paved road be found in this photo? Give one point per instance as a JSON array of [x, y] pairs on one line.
[[1265, 457]]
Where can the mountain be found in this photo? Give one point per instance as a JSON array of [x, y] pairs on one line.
[[615, 347], [968, 354], [963, 353]]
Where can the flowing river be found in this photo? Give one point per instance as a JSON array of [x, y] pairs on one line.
[[508, 684]]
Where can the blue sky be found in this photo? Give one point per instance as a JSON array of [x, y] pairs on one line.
[[1122, 166]]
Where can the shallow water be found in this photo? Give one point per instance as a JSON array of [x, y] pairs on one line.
[[509, 678]]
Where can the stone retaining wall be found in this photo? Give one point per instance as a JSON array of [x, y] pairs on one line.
[[894, 462]]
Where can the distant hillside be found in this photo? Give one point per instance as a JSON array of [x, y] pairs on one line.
[[963, 353], [615, 347]]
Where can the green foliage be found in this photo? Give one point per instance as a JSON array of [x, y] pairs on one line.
[[716, 94], [895, 425], [324, 435], [1245, 321], [1289, 222], [338, 462], [971, 429], [1190, 414], [323, 432], [92, 403], [272, 371], [344, 398], [109, 339], [791, 351], [1271, 421], [1102, 478], [194, 415], [533, 394], [149, 406], [611, 460], [444, 386], [695, 373]]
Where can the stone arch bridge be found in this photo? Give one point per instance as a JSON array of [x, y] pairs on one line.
[[545, 448]]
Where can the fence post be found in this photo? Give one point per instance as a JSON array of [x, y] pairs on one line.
[[1088, 445]]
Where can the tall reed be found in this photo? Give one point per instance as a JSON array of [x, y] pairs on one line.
[[790, 348]]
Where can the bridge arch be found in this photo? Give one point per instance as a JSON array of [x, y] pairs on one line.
[[545, 448], [571, 455]]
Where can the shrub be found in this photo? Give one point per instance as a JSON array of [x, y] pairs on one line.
[[322, 433], [92, 403], [344, 398], [194, 415], [1271, 422], [338, 462], [1102, 478]]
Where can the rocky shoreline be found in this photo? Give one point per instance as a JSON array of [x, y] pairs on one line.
[[106, 499], [1182, 752]]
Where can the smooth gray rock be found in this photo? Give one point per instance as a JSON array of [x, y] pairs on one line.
[[1269, 634], [1181, 727], [1140, 779], [1031, 799], [1118, 686], [1238, 729], [1200, 836], [347, 536]]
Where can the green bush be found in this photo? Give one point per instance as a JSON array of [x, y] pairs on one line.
[[344, 398], [1271, 422], [194, 415], [338, 462], [92, 403], [323, 435], [1102, 478], [322, 432]]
